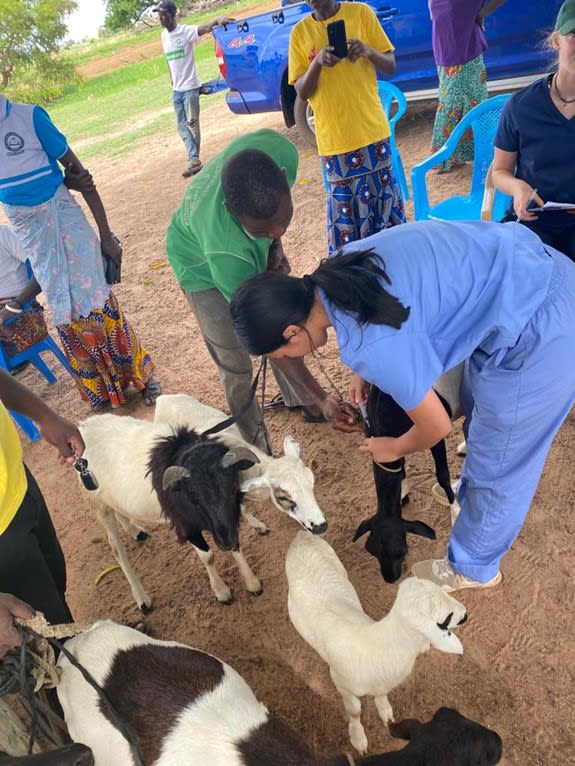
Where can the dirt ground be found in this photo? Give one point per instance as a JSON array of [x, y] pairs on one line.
[[516, 674]]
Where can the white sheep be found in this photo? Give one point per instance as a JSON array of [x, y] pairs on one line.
[[286, 480], [365, 657]]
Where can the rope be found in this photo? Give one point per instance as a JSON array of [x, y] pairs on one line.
[[28, 669], [385, 468]]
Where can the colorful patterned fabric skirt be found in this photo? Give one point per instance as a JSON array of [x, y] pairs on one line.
[[363, 196], [27, 329], [460, 89], [105, 355]]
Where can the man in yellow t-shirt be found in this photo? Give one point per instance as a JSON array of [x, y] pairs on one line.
[[32, 565], [352, 130]]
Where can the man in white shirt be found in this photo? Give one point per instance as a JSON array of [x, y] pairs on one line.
[[178, 42]]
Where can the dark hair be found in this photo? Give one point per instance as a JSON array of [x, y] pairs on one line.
[[264, 305], [253, 184]]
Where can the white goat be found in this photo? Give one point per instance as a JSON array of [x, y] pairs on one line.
[[118, 451], [365, 657], [286, 480]]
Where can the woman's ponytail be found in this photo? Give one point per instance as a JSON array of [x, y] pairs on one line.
[[353, 283]]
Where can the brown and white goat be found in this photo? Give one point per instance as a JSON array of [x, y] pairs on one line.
[[187, 708]]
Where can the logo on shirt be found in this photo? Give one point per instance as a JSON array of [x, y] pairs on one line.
[[14, 143], [312, 54]]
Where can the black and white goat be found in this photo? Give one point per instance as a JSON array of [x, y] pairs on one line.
[[387, 530], [187, 708], [149, 473], [285, 480], [70, 755]]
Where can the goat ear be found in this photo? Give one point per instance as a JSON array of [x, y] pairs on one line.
[[173, 476], [404, 729], [241, 457], [419, 528], [363, 528], [291, 447]]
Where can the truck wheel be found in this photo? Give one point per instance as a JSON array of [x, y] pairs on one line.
[[303, 116]]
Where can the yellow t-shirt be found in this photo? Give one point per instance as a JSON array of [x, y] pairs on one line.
[[348, 112], [13, 483]]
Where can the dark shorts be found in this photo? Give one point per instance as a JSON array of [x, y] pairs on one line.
[[32, 565]]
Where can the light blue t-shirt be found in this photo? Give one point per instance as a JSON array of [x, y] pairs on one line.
[[468, 286], [55, 145]]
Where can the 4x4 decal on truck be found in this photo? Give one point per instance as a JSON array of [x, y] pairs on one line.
[[237, 42]]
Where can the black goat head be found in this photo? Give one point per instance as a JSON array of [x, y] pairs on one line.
[[387, 541], [449, 739]]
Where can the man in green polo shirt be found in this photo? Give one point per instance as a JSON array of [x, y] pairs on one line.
[[228, 227]]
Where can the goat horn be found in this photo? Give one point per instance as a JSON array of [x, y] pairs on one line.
[[236, 454], [173, 474]]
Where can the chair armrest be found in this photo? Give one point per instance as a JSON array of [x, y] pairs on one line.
[[488, 197]]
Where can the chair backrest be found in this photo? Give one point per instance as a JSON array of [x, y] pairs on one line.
[[388, 93], [484, 121]]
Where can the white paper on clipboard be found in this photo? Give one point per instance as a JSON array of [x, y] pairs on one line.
[[553, 206]]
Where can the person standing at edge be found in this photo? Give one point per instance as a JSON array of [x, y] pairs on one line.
[[32, 565], [228, 227], [178, 42], [458, 43], [352, 130]]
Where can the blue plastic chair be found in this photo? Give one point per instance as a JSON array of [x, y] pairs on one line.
[[33, 355], [483, 120], [388, 94]]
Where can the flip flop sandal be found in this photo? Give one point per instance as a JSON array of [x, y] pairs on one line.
[[309, 417]]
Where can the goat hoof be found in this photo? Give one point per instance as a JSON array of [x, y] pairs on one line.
[[405, 500], [146, 608], [256, 592], [141, 536], [226, 600], [263, 531]]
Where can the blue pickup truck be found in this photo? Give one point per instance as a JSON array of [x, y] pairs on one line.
[[252, 53]]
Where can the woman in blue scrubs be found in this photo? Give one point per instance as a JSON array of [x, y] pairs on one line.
[[412, 302]]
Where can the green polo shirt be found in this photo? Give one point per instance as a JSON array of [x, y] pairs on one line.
[[205, 243]]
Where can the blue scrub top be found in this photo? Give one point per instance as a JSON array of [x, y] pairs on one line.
[[468, 285]]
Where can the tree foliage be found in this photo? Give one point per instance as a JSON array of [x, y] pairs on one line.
[[121, 14], [32, 31]]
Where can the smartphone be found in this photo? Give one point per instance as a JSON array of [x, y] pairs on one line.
[[336, 36]]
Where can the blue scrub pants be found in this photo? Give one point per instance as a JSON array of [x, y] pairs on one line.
[[187, 110], [515, 400]]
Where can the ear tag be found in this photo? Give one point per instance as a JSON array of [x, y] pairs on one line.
[[86, 476]]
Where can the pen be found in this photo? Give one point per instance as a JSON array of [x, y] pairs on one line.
[[529, 201], [363, 411]]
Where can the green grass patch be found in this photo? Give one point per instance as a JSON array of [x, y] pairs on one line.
[[114, 113]]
